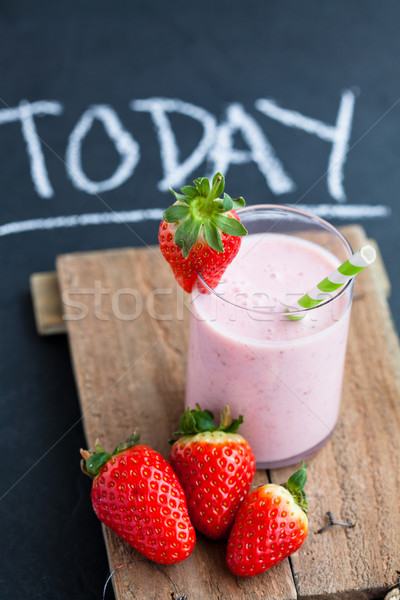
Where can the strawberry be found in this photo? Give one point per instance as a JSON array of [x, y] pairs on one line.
[[201, 232], [136, 494], [215, 468], [270, 525]]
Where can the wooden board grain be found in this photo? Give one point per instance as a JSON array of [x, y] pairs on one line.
[[128, 324], [357, 475], [47, 304]]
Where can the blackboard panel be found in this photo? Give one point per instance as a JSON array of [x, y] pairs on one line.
[[221, 63]]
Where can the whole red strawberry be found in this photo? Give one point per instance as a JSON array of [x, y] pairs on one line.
[[270, 525], [215, 468], [136, 494], [201, 232]]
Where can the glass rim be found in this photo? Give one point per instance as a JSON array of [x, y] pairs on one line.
[[296, 211]]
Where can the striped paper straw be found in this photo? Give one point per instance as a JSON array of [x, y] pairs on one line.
[[335, 280]]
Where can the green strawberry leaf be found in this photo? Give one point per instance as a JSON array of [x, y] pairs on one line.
[[186, 235], [175, 213], [132, 440], [238, 202], [226, 422], [93, 461], [216, 176], [203, 186], [229, 225], [187, 423], [195, 421], [208, 412], [189, 191], [180, 197], [96, 462], [297, 481], [295, 485], [227, 203], [213, 237], [204, 421], [234, 426], [218, 186]]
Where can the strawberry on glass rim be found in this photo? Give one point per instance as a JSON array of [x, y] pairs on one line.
[[201, 232]]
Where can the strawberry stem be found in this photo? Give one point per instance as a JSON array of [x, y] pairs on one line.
[[228, 424], [218, 186]]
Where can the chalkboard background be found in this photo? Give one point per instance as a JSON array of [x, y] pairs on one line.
[[215, 60]]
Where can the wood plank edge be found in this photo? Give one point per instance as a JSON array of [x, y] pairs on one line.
[[379, 272], [47, 304]]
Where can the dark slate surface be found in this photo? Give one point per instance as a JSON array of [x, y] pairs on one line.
[[221, 58]]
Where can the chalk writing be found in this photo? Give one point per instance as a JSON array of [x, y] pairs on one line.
[[25, 113], [175, 174], [327, 211], [260, 151], [215, 148], [125, 145], [339, 135]]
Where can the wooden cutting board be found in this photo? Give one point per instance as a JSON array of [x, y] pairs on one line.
[[127, 323]]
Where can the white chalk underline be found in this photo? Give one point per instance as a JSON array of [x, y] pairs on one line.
[[342, 211]]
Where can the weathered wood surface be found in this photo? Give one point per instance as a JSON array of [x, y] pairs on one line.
[[357, 475], [131, 372], [47, 304], [129, 359]]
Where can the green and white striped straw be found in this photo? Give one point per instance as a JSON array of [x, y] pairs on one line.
[[335, 280]]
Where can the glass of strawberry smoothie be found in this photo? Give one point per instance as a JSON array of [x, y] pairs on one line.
[[284, 376]]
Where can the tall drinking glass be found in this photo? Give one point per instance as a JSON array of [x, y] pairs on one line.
[[284, 376]]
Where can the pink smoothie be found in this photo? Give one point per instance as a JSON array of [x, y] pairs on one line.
[[284, 376]]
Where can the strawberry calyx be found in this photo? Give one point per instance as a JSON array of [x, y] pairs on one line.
[[94, 460], [196, 420], [200, 212], [295, 485]]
